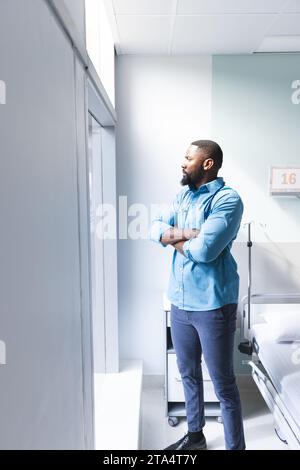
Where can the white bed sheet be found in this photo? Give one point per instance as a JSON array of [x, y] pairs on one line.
[[282, 363]]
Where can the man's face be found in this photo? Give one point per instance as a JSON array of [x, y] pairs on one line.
[[195, 166]]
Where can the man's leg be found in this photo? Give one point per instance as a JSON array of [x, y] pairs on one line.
[[188, 351], [216, 330]]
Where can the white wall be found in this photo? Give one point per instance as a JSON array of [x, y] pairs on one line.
[[162, 104], [257, 124], [46, 397]]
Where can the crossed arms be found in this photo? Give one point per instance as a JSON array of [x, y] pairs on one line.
[[177, 237], [205, 245]]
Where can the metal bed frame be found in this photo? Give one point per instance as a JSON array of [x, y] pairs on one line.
[[286, 428]]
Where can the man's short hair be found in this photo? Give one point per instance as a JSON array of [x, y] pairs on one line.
[[212, 149]]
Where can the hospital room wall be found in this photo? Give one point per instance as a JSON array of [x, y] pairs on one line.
[[257, 124], [163, 103]]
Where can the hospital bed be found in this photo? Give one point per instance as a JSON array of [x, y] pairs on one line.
[[275, 365]]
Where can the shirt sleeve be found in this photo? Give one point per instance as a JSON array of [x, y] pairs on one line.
[[162, 222], [219, 229]]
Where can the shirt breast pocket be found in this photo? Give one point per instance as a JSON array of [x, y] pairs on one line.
[[195, 218], [181, 215]]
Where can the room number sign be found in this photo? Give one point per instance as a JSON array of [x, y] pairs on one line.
[[285, 181]]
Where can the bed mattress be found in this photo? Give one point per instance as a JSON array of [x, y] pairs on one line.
[[282, 363]]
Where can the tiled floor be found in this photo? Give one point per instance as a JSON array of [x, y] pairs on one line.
[[157, 434]]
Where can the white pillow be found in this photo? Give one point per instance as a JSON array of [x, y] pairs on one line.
[[284, 325]]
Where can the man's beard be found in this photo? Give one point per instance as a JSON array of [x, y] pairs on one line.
[[194, 178]]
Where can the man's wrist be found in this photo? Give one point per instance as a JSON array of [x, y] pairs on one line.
[[175, 235], [172, 236], [190, 233]]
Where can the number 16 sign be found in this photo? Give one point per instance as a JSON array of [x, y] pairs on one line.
[[285, 181]]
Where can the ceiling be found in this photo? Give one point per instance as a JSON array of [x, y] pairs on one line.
[[176, 27]]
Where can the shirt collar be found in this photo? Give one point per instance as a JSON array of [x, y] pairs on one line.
[[210, 187]]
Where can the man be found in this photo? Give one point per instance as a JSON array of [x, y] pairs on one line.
[[201, 225]]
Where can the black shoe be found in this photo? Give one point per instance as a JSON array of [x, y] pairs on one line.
[[185, 443]]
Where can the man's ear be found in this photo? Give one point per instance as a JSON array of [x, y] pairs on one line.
[[208, 163]]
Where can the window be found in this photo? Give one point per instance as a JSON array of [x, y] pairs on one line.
[[100, 44]]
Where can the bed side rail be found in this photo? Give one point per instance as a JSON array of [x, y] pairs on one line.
[[245, 347]]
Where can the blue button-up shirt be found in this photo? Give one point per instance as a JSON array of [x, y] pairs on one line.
[[206, 276]]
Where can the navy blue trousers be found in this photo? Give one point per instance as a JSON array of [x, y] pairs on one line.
[[210, 333]]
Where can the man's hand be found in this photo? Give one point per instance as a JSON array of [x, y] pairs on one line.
[[178, 246], [175, 235]]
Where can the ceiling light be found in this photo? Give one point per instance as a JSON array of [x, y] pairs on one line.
[[279, 44]]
